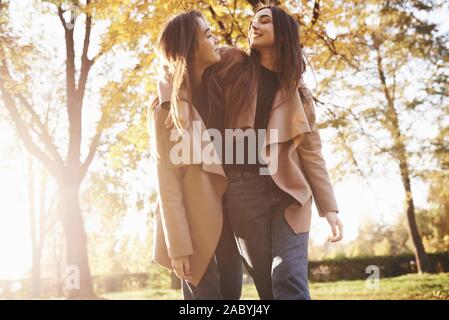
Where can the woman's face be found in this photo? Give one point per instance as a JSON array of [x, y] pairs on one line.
[[261, 33], [207, 51]]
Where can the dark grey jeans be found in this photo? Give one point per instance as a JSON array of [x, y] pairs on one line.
[[223, 276], [274, 255]]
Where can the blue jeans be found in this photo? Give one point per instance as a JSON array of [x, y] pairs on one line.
[[275, 256], [223, 276]]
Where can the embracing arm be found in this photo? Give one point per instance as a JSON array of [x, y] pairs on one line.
[[170, 194]]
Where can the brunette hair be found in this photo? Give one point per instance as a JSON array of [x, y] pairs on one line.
[[177, 45], [290, 63]]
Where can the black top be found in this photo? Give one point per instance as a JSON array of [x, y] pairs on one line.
[[212, 117], [268, 86]]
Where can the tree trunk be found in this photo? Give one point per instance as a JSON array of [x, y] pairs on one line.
[[78, 282], [35, 285], [58, 248], [36, 275], [422, 260], [421, 257], [400, 153]]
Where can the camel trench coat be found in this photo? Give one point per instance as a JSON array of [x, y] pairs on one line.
[[188, 218]]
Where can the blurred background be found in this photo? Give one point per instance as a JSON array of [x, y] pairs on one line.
[[76, 183]]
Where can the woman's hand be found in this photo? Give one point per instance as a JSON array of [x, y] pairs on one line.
[[181, 266], [336, 226]]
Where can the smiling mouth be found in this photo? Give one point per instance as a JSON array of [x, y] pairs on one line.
[[256, 35]]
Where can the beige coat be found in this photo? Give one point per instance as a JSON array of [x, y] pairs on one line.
[[301, 172], [188, 218]]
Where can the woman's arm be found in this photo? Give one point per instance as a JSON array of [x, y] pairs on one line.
[[169, 189], [309, 152]]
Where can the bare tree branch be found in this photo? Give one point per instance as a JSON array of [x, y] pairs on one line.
[[42, 131], [52, 167], [235, 22], [358, 121], [61, 17], [226, 34], [94, 145], [86, 63], [44, 136], [316, 12], [73, 104]]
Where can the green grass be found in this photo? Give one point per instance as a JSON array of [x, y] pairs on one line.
[[412, 286]]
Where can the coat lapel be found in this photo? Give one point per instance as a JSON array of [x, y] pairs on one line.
[[287, 117], [199, 136]]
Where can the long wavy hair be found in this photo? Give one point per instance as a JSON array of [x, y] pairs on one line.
[[290, 64], [176, 47]]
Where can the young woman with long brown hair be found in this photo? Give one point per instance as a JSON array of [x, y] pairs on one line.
[[192, 236], [270, 213]]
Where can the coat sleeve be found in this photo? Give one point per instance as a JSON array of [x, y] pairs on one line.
[[169, 190], [310, 155]]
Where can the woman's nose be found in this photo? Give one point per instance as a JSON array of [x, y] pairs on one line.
[[254, 26]]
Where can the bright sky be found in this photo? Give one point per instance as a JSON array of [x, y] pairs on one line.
[[381, 200]]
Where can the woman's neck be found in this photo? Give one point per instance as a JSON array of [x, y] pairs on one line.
[[268, 58], [198, 76]]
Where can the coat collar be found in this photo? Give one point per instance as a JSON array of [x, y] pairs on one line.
[[287, 116], [199, 135]]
